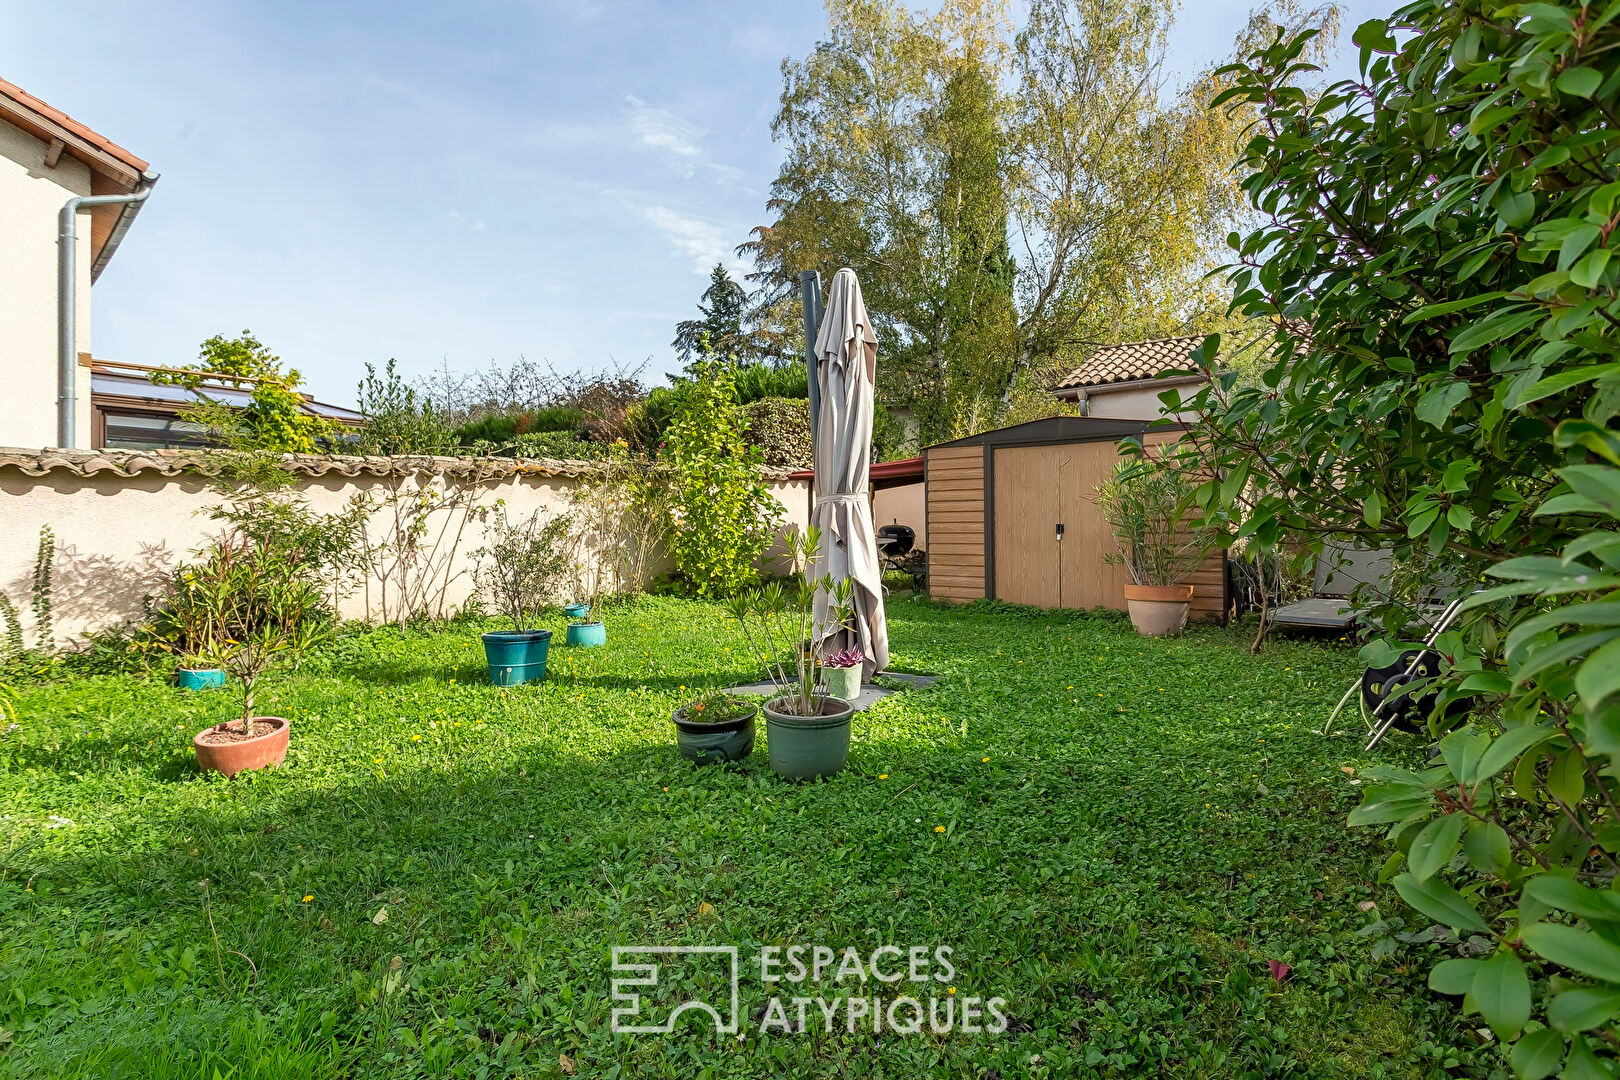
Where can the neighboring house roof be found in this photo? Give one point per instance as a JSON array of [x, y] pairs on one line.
[[108, 383], [1132, 361], [113, 169]]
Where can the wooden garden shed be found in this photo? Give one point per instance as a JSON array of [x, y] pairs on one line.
[[1012, 516]]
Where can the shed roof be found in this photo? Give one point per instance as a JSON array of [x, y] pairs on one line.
[[1132, 361], [1059, 429]]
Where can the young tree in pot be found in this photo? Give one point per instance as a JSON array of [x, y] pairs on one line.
[[808, 729], [522, 562], [264, 612], [1147, 504]]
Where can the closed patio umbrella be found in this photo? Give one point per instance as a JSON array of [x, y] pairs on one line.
[[846, 355]]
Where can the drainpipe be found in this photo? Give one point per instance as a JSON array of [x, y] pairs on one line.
[[67, 356]]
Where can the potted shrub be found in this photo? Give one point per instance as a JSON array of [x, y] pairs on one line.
[[1147, 504], [185, 621], [265, 611], [841, 672], [520, 565], [807, 730], [719, 727]]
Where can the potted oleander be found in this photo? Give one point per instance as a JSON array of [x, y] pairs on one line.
[[520, 565], [184, 621], [266, 612], [807, 730], [841, 673], [1147, 504], [714, 728]]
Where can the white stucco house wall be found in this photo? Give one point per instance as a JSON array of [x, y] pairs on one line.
[[47, 158], [1124, 381]]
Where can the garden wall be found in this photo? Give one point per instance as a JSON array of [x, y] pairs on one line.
[[124, 519]]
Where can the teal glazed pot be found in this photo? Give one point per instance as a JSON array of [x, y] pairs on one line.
[[805, 747], [587, 633], [843, 683], [517, 656], [729, 740], [577, 611], [199, 678]]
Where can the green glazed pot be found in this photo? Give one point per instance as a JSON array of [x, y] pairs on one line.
[[805, 747], [587, 633], [843, 683], [516, 657], [729, 740], [199, 678]]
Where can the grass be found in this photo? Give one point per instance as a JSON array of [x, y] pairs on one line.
[[1114, 834]]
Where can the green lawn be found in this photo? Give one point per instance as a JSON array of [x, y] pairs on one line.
[[1131, 830]]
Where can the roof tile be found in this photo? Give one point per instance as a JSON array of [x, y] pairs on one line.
[[1131, 361]]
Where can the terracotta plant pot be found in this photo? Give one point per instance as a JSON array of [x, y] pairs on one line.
[[242, 755], [1158, 610]]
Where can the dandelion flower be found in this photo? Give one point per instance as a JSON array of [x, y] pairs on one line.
[[307, 898], [939, 828], [950, 990], [883, 776], [984, 759], [416, 738]]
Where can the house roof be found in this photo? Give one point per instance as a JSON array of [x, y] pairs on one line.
[[113, 169], [1132, 361]]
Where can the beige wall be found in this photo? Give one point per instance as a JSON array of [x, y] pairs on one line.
[[119, 537], [31, 197], [1135, 401], [905, 504]]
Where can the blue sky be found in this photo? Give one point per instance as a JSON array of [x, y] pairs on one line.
[[440, 183]]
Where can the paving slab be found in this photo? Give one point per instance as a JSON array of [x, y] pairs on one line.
[[870, 692]]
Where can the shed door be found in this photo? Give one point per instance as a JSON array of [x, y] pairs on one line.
[[1027, 499], [1038, 488]]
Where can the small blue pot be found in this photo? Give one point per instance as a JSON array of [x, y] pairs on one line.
[[588, 633], [577, 611], [517, 656], [199, 678]]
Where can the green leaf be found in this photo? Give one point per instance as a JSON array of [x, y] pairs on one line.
[[1494, 327], [1441, 902], [1599, 675], [1430, 311], [1372, 509], [1560, 892], [1580, 81], [1577, 950], [1502, 994], [1489, 850], [1566, 780], [1582, 1064], [1433, 408], [1583, 1009], [1589, 271], [1374, 35], [1506, 748], [1563, 380], [1537, 1055], [1455, 977], [1434, 846]]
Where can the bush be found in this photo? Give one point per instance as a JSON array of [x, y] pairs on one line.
[[723, 514], [1437, 259], [780, 427], [398, 421], [553, 444]]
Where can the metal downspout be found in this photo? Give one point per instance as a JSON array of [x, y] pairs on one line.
[[67, 356]]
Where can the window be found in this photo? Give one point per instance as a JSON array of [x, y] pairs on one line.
[[151, 431]]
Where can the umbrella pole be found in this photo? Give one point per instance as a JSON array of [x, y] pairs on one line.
[[810, 294]]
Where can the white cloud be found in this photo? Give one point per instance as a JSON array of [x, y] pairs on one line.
[[703, 242], [661, 129]]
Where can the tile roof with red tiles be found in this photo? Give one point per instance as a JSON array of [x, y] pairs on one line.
[[1132, 360], [51, 114]]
